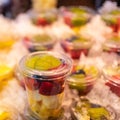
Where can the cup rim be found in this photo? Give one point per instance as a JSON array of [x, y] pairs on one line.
[[51, 74]]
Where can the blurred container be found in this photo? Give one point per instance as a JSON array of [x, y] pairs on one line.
[[112, 78], [83, 79], [76, 16], [39, 42], [43, 5], [112, 19], [44, 18], [76, 45], [112, 45]]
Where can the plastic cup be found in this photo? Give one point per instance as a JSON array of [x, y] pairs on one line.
[[42, 42], [44, 18], [112, 19], [83, 79], [75, 46], [112, 78], [112, 45], [76, 16], [45, 75]]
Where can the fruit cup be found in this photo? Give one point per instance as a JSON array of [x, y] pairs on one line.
[[112, 19], [76, 16], [45, 75], [112, 45], [44, 18], [83, 79], [39, 42], [76, 45], [112, 78]]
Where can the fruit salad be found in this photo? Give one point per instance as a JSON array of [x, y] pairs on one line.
[[83, 78], [39, 42], [112, 78], [76, 16], [85, 110], [45, 18], [45, 74], [75, 46], [112, 19], [112, 45]]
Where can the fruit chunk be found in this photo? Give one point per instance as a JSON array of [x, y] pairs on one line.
[[41, 38], [92, 111], [5, 115], [5, 72]]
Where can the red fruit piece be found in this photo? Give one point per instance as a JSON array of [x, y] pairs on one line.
[[42, 21], [49, 88], [114, 88], [32, 84], [68, 21]]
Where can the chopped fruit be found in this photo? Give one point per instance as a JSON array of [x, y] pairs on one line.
[[44, 75], [91, 111], [112, 77], [82, 79], [112, 45], [112, 19], [41, 38], [5, 115], [76, 16], [76, 46], [45, 62], [5, 72], [39, 42], [41, 21], [32, 84], [50, 88]]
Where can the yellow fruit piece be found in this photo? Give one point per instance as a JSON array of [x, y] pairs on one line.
[[5, 72], [6, 42], [4, 115]]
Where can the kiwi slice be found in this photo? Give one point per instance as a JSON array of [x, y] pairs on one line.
[[41, 38], [44, 62], [78, 10]]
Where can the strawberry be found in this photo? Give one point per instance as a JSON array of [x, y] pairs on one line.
[[32, 84], [49, 88], [42, 22]]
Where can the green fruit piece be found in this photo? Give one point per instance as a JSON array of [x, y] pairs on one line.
[[47, 62], [78, 82], [115, 12], [30, 63], [109, 20], [78, 10], [98, 114], [80, 40], [78, 21], [41, 38]]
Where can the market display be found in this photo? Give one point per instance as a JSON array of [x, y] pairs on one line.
[[65, 62]]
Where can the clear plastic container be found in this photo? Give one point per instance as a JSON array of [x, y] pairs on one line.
[[75, 46], [112, 78], [39, 42], [76, 16], [45, 75], [44, 18], [112, 19], [83, 79], [112, 45]]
